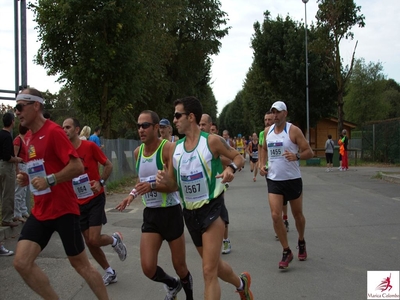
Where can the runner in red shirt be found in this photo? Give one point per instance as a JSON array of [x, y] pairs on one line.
[[53, 163], [89, 189]]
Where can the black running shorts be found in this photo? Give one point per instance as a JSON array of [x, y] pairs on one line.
[[92, 213], [166, 221], [290, 189], [198, 220], [67, 227]]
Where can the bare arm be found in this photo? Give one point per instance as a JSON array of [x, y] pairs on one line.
[[298, 138]]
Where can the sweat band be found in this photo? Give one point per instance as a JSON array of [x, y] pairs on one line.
[[28, 97]]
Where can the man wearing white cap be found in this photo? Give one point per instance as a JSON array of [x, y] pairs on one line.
[[283, 141]]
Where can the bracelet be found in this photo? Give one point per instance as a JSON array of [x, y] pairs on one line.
[[133, 193], [153, 186]]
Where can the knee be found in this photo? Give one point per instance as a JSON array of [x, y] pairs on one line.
[[21, 265], [93, 242], [209, 273], [149, 270], [276, 217]]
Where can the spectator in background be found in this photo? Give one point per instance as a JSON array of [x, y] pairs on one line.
[[85, 133], [7, 171], [95, 137], [341, 152], [214, 128], [345, 159], [166, 131], [21, 192], [329, 146]]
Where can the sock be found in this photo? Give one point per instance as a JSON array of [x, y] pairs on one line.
[[187, 284], [284, 217], [240, 288], [114, 241], [110, 270], [163, 277], [287, 249]]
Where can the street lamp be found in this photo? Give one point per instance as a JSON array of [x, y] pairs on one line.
[[307, 108]]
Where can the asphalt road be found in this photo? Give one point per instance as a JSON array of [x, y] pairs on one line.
[[353, 226]]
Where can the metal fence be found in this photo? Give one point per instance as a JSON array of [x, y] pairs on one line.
[[120, 153], [381, 141]]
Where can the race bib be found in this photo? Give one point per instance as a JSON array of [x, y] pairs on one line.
[[275, 150], [35, 168], [152, 198], [194, 186], [82, 186]]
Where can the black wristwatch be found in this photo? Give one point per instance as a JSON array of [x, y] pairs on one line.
[[233, 167], [51, 180], [298, 155], [102, 182]]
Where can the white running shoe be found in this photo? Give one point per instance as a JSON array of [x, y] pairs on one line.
[[120, 247]]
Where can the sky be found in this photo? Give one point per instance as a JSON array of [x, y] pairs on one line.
[[378, 41]]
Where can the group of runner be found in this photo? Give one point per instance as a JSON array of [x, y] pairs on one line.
[[179, 181]]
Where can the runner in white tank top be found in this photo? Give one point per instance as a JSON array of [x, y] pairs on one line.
[[281, 145], [198, 171], [162, 216]]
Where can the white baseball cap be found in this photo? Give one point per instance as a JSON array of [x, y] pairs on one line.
[[279, 106]]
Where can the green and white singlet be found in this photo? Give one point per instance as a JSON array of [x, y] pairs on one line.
[[195, 173], [147, 168]]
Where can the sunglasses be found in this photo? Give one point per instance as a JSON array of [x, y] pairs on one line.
[[178, 115], [20, 106], [163, 126], [144, 125]]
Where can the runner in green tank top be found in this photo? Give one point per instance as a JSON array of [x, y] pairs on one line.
[[194, 159], [162, 216]]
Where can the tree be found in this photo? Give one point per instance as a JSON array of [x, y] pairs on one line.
[[335, 19], [279, 54], [121, 57], [365, 90]]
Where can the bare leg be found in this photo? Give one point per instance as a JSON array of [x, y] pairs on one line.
[[24, 262], [82, 265], [95, 240]]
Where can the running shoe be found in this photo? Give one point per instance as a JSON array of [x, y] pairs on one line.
[[245, 293], [109, 278], [287, 257], [172, 292], [119, 247], [5, 252], [302, 250], [226, 246], [286, 225]]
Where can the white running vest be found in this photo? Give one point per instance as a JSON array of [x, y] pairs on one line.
[[195, 173], [279, 168], [147, 168]]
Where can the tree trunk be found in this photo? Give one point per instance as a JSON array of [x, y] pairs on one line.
[[340, 111]]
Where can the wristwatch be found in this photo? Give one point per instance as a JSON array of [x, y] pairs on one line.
[[102, 182], [233, 167], [51, 180], [298, 155], [153, 186]]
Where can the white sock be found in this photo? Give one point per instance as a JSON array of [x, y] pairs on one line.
[[114, 241], [241, 285], [110, 270]]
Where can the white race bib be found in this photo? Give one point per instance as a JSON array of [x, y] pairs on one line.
[[82, 186], [275, 150], [194, 186], [35, 168]]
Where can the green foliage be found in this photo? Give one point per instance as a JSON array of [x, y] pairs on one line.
[[366, 94], [335, 19], [121, 57], [279, 55]]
